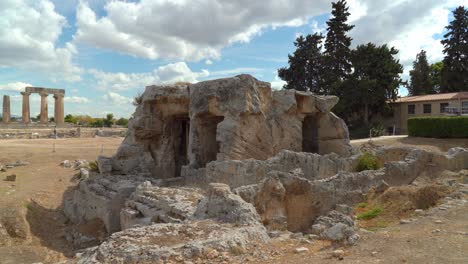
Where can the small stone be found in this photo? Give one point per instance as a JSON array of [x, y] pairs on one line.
[[438, 222], [339, 254], [436, 231], [419, 211], [404, 221], [305, 241], [374, 253], [274, 234], [66, 164], [297, 235], [312, 237], [301, 250], [211, 253], [84, 173], [11, 177]]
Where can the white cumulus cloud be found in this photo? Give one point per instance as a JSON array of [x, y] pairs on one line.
[[170, 73], [186, 30], [14, 86], [76, 99], [29, 32], [115, 98]]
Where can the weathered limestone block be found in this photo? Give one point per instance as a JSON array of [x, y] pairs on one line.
[[333, 135], [289, 200], [224, 206], [151, 204], [156, 243], [101, 197], [222, 221], [238, 173]]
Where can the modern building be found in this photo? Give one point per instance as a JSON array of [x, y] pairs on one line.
[[446, 104]]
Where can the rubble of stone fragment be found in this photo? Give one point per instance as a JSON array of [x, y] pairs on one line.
[[217, 166]]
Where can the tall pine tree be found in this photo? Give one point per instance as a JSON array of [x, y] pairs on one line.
[[305, 69], [374, 81], [337, 43], [455, 72], [420, 81]]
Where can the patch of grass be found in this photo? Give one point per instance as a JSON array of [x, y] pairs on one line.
[[362, 205], [93, 166], [28, 205], [372, 213], [367, 161]]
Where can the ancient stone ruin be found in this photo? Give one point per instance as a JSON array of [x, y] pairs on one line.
[[177, 130], [59, 95], [232, 161]]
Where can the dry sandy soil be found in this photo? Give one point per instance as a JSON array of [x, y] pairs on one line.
[[38, 190]]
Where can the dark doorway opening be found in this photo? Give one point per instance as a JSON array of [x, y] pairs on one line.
[[181, 129], [209, 147], [310, 141]]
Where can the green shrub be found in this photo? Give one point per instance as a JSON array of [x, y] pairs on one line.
[[362, 205], [372, 213], [438, 127], [93, 166], [377, 130], [367, 161]]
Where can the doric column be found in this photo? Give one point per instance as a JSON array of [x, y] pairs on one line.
[[25, 113], [59, 111], [44, 114], [6, 109]]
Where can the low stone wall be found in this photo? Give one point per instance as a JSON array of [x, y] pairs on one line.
[[68, 132]]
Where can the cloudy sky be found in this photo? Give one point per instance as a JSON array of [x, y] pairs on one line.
[[105, 52]]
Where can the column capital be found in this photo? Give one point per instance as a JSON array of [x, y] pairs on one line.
[[58, 95], [25, 93], [43, 94]]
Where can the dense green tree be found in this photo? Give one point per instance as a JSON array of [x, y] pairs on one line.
[[337, 51], [70, 119], [305, 69], [122, 122], [420, 82], [375, 79], [109, 120], [435, 75], [455, 73]]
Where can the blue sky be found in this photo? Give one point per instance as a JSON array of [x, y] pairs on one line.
[[105, 52]]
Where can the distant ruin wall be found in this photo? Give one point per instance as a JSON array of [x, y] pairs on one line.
[[31, 133]]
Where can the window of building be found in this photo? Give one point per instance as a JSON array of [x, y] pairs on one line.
[[464, 109], [443, 107], [411, 109], [427, 108]]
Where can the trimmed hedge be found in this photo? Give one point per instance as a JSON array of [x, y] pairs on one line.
[[438, 127]]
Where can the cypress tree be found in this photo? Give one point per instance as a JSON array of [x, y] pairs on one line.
[[455, 71], [420, 82], [305, 65], [337, 51]]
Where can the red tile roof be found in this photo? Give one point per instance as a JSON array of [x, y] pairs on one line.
[[432, 97]]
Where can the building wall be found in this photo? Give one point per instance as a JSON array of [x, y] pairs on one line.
[[401, 112]]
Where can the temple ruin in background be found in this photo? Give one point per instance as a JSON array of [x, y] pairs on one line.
[[58, 94]]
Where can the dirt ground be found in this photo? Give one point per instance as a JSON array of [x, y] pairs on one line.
[[37, 192], [39, 187]]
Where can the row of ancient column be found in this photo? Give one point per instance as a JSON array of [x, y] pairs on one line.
[[44, 118]]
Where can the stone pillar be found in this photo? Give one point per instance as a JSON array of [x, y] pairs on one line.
[[44, 114], [59, 110], [26, 118], [6, 109]]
